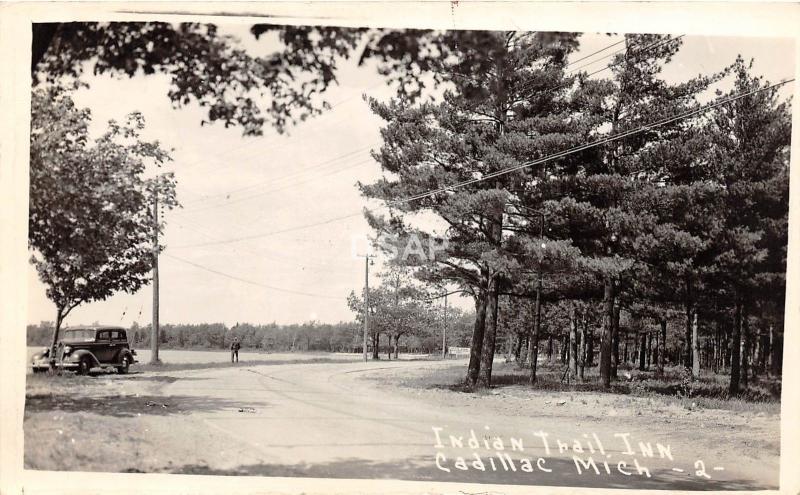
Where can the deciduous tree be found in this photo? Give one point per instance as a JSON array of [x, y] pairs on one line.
[[90, 221]]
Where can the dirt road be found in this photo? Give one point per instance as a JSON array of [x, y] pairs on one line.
[[326, 420]]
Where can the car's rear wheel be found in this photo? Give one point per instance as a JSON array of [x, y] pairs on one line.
[[84, 365], [123, 367]]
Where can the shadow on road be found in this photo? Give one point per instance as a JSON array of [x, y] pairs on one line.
[[422, 468], [147, 377], [125, 406]]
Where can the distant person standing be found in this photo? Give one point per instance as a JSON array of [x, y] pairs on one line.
[[235, 346]]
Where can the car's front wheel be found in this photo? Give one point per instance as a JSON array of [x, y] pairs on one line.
[[84, 365], [123, 367]]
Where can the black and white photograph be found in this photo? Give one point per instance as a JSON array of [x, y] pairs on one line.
[[469, 258]]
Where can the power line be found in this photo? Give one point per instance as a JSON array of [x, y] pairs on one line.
[[595, 53], [261, 253], [284, 187], [608, 67], [653, 45], [254, 186], [251, 282], [640, 50], [637, 51], [507, 170], [268, 234], [583, 147], [287, 176], [344, 100], [292, 175]]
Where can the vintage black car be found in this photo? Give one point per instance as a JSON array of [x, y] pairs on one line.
[[83, 348]]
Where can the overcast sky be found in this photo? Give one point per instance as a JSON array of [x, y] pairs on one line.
[[268, 189]]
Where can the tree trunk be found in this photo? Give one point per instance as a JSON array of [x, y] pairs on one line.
[[615, 342], [687, 350], [736, 339], [584, 348], [518, 349], [654, 351], [695, 347], [663, 343], [689, 307], [590, 344], [376, 343], [605, 339], [396, 346], [54, 342], [476, 346], [649, 349], [709, 347], [726, 345], [761, 351], [573, 348], [716, 348], [533, 346], [746, 344], [490, 335], [625, 354], [642, 350], [776, 352], [550, 348], [510, 343]]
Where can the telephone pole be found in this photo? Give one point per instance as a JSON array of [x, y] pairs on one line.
[[444, 330], [155, 330], [367, 259]]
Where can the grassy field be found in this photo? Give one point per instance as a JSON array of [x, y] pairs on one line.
[[185, 359], [709, 391], [180, 359]]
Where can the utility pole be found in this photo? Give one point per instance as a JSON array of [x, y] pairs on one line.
[[155, 330], [444, 330], [396, 306], [367, 258]]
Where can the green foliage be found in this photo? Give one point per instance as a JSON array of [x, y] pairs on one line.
[[90, 220], [204, 66], [397, 307], [468, 134], [668, 223]]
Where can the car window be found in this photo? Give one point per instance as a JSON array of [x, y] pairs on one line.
[[117, 335], [104, 335], [79, 335]]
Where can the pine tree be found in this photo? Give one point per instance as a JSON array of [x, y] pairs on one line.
[[749, 165], [609, 205], [505, 107]]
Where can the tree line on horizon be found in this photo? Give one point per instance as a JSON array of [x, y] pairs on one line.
[[273, 337]]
